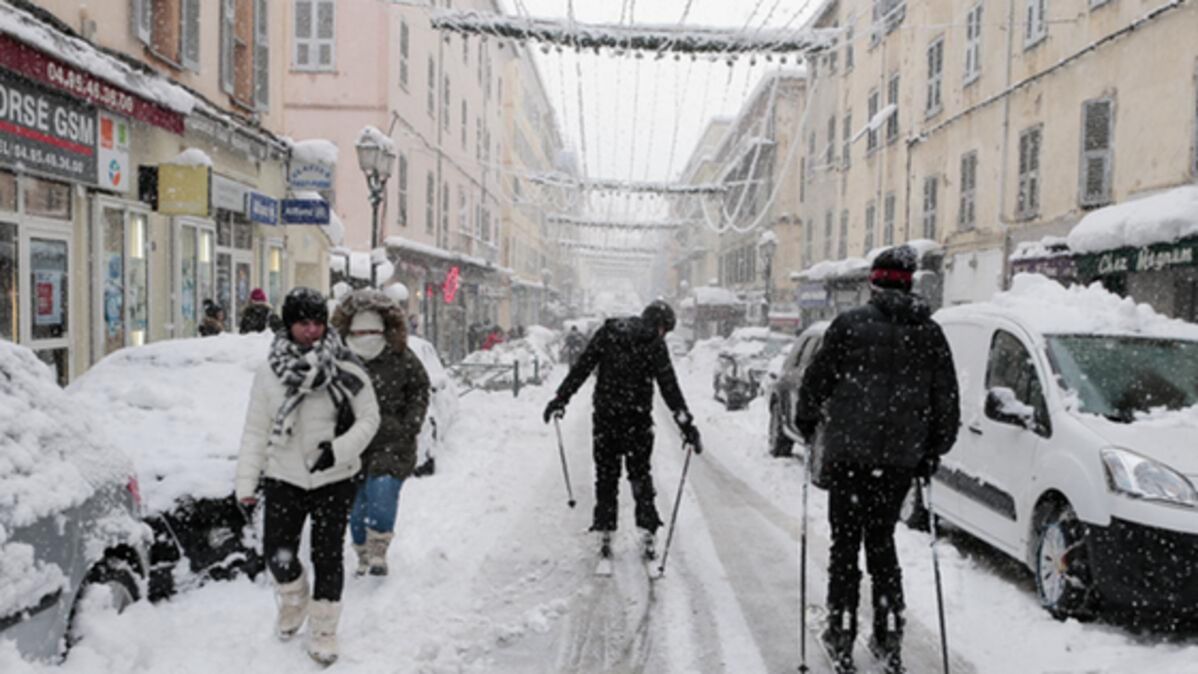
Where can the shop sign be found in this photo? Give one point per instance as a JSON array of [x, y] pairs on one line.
[[39, 67], [228, 195], [183, 190], [46, 132], [310, 176], [305, 212], [226, 137], [811, 296], [1157, 257], [1059, 266], [113, 170], [452, 282], [263, 209]]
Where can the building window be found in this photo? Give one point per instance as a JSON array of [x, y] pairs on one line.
[[314, 34], [401, 181], [828, 235], [871, 136], [892, 98], [935, 75], [1035, 27], [482, 56], [1098, 125], [966, 216], [802, 179], [811, 150], [842, 242], [888, 220], [405, 45], [871, 216], [430, 200], [432, 87], [465, 123], [973, 45], [1027, 205], [261, 55], [930, 186], [830, 156], [808, 242], [171, 29], [465, 50], [848, 45], [887, 15], [443, 234], [846, 157], [445, 104]]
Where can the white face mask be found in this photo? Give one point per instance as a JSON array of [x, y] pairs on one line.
[[366, 346]]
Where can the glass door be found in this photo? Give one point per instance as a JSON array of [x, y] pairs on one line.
[[47, 297], [123, 286], [272, 272], [242, 275], [10, 303], [194, 274], [224, 286]]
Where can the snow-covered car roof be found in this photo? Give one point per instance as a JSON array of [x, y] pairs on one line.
[[54, 453], [1046, 307]]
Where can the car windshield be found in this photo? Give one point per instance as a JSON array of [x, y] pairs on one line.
[[1118, 377]]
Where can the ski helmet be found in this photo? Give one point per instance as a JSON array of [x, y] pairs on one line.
[[304, 303], [894, 268], [659, 315]]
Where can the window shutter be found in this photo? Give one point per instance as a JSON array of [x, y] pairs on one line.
[[325, 32], [1096, 152], [142, 15], [190, 18], [228, 23]]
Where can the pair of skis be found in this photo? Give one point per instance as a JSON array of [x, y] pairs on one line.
[[605, 567], [875, 664]]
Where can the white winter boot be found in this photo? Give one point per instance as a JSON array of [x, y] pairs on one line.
[[293, 606], [377, 543], [322, 631], [362, 551]]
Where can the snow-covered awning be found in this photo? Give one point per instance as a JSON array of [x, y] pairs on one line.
[[1160, 218], [428, 250], [715, 295], [827, 269]]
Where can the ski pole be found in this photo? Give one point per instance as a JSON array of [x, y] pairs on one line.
[[561, 448], [661, 570], [803, 565], [927, 485]]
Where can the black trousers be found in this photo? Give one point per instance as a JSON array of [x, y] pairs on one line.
[[287, 506], [631, 446], [863, 506]]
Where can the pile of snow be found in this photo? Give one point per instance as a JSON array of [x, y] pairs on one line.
[[314, 151], [53, 454], [714, 296], [1049, 246], [192, 156], [1050, 308], [1160, 218], [371, 134], [359, 265], [536, 352], [178, 409], [831, 269], [397, 291]]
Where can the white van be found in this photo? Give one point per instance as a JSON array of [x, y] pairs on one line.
[[1078, 450]]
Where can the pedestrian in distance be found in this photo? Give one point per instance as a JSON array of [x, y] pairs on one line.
[[258, 315], [213, 322], [629, 354], [376, 330], [880, 401], [312, 413], [494, 338], [575, 343]]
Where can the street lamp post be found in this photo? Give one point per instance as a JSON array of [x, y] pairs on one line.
[[768, 246], [376, 161]]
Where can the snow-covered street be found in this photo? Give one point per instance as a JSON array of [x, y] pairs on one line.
[[491, 572]]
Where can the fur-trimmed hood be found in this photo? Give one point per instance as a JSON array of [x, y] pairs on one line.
[[394, 321]]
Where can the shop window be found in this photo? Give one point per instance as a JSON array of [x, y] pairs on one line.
[[224, 231], [125, 280], [48, 281], [224, 286], [47, 199], [8, 191], [273, 274], [9, 269]]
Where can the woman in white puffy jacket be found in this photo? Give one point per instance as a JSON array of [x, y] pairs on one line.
[[312, 413]]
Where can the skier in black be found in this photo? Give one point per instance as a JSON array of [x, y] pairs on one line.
[[630, 354], [882, 392]]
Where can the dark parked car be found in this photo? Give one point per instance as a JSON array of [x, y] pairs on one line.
[[784, 394], [743, 365]]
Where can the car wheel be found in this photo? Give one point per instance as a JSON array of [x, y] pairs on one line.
[[780, 445], [1062, 566], [913, 512], [112, 573]]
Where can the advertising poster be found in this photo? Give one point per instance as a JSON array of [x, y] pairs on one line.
[[113, 171], [47, 290]]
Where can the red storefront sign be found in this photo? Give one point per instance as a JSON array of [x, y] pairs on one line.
[[452, 282], [40, 67]]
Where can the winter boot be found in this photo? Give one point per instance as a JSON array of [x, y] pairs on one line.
[[377, 543], [363, 559], [292, 599], [838, 638], [322, 631], [887, 641], [648, 545]]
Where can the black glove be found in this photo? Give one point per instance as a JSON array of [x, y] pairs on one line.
[[927, 466], [555, 408], [326, 459], [690, 436]]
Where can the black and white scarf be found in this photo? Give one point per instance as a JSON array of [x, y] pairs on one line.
[[304, 371]]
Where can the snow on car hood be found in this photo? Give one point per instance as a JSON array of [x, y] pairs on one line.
[[177, 408], [53, 455], [1164, 436]]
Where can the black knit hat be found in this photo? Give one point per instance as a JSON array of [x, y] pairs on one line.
[[894, 268], [304, 303], [659, 315]]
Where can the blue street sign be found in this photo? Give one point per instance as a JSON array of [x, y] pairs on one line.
[[305, 212], [263, 209]]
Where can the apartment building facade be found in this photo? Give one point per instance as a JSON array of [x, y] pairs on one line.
[[153, 179]]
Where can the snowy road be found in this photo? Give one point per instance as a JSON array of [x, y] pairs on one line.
[[491, 572]]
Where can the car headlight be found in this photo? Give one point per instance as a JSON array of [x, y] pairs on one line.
[[1139, 477]]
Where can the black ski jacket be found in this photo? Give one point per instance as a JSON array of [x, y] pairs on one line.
[[629, 356], [883, 385]]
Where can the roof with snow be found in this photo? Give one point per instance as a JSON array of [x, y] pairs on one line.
[[1047, 307], [1160, 218], [314, 151]]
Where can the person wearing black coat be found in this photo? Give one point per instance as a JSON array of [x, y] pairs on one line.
[[257, 315], [630, 354], [881, 401]]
